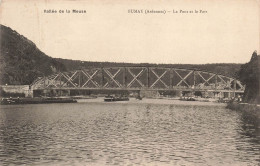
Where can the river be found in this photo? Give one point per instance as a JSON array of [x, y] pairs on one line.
[[148, 132]]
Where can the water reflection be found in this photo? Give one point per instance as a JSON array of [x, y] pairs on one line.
[[127, 134], [249, 140]]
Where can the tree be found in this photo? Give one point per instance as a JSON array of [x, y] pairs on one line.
[[249, 75]]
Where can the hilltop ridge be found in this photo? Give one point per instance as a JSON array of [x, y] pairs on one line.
[[227, 69]]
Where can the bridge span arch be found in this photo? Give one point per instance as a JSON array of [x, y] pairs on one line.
[[139, 78]]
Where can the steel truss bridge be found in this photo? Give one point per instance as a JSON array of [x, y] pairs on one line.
[[139, 78]]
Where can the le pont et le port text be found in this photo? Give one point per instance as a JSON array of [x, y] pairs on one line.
[[163, 11]]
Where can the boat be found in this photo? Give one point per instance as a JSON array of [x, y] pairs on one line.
[[122, 98], [114, 98], [139, 98], [224, 100], [40, 100], [187, 99], [59, 100], [109, 98]]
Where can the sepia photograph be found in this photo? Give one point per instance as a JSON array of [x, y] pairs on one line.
[[133, 82]]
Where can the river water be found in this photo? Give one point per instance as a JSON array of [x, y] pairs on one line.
[[128, 133]]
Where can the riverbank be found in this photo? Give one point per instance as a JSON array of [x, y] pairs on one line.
[[168, 101], [36, 100], [253, 109], [164, 101]]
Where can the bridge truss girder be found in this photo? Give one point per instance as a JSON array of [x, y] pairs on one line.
[[136, 78]]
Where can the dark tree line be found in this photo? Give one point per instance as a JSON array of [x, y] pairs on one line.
[[21, 62], [249, 75], [227, 69]]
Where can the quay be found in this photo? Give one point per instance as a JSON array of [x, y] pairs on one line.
[[36, 100]]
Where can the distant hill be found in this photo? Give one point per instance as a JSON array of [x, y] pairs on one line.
[[228, 69], [21, 61]]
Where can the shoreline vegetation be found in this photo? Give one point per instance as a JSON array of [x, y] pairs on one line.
[[249, 74], [250, 109]]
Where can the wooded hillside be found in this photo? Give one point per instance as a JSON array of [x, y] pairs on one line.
[[250, 76], [21, 61]]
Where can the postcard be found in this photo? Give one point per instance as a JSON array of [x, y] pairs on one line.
[[86, 82]]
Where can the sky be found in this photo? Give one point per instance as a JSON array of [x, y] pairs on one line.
[[226, 32]]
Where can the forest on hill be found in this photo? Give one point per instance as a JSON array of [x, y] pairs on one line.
[[22, 62]]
